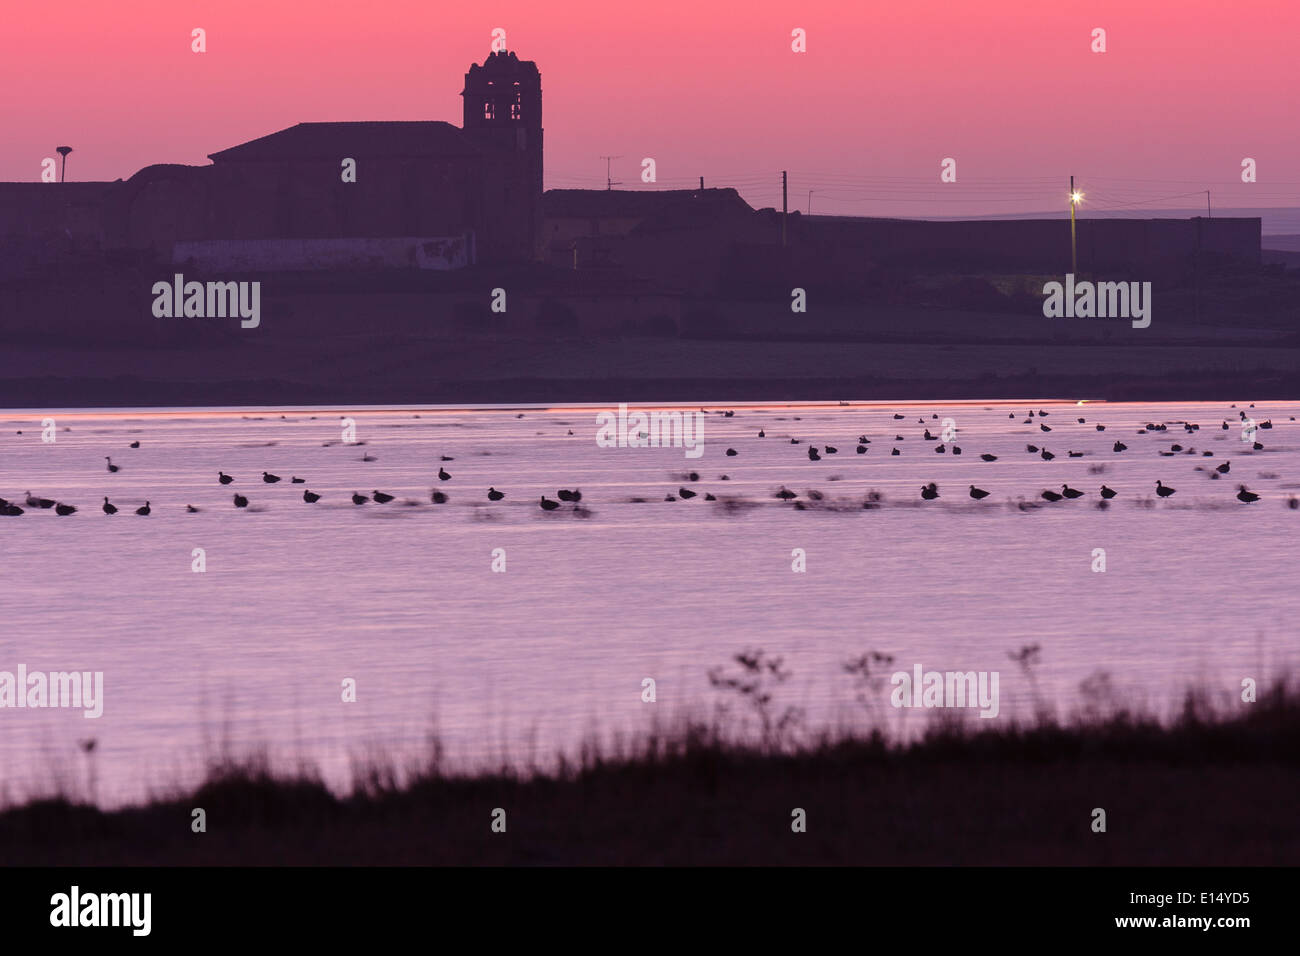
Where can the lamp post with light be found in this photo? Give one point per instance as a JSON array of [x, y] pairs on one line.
[[1076, 197]]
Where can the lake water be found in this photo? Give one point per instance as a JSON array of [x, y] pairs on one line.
[[252, 652]]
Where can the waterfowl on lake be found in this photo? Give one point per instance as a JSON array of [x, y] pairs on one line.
[[1119, 446], [108, 508], [1246, 496], [548, 505], [1050, 496], [1224, 468], [1069, 492], [929, 492], [143, 510], [224, 478], [381, 498], [443, 475], [359, 499], [494, 495], [111, 467], [135, 444], [34, 502], [978, 493], [1107, 492], [310, 496], [686, 493], [987, 457], [812, 454], [190, 509], [1164, 491], [240, 501], [438, 498], [295, 480], [269, 478], [62, 509]]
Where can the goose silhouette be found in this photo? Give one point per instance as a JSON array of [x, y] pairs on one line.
[[1164, 491], [494, 495], [1031, 449], [928, 436], [1224, 468], [224, 478], [1119, 446], [295, 480], [438, 498], [785, 494], [34, 502], [1107, 493], [898, 417], [686, 493], [929, 492], [1043, 428], [111, 467], [10, 510], [861, 449], [443, 475], [447, 458], [987, 457], [939, 449], [240, 501], [1047, 455], [143, 510], [709, 497], [812, 454], [108, 508], [1069, 492], [359, 499], [1074, 454], [731, 453], [1246, 496], [1051, 496], [832, 450], [190, 509], [978, 493], [381, 498], [1101, 428], [564, 494], [761, 433], [895, 452], [269, 478], [956, 449], [547, 504], [62, 509], [368, 457], [310, 496]]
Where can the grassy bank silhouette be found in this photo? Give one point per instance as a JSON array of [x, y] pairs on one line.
[[1215, 785]]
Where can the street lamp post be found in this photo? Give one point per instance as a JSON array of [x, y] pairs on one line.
[[1076, 197]]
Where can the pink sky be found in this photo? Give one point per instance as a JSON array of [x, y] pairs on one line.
[[1011, 90]]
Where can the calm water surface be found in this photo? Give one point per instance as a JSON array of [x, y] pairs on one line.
[[1199, 588]]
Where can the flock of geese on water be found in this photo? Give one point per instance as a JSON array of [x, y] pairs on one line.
[[929, 492]]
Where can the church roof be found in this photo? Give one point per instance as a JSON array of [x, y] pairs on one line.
[[371, 140]]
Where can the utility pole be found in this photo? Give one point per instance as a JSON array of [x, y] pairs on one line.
[[810, 192], [63, 151], [701, 182], [785, 209], [609, 183], [1208, 211], [1074, 257]]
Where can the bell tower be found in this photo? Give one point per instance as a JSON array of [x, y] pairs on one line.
[[503, 114]]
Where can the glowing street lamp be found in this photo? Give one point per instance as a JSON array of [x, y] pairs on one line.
[[1076, 197]]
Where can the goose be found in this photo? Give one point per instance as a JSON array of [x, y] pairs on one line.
[[1119, 446], [109, 509], [761, 433], [988, 457], [812, 454], [447, 458], [1042, 413], [443, 475], [709, 497], [381, 498], [956, 449], [1083, 421], [1224, 468], [564, 494], [1047, 455], [34, 502], [685, 493], [864, 440], [895, 452], [898, 417], [929, 492], [1246, 496], [310, 496], [1069, 492], [832, 450], [1163, 490], [1175, 447], [1075, 454], [368, 457], [438, 498], [861, 449], [1032, 449], [295, 480], [785, 494], [143, 510], [1258, 446], [674, 498], [359, 499], [928, 436], [240, 501], [1043, 428], [10, 510], [1051, 496], [731, 453], [494, 495], [1101, 428], [939, 449], [1107, 493], [224, 478], [694, 476], [111, 467], [548, 505], [190, 509], [62, 509], [978, 493], [135, 444], [269, 478]]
